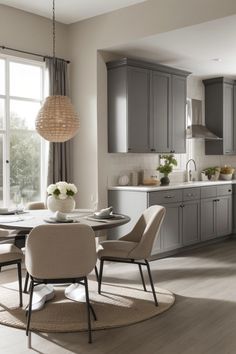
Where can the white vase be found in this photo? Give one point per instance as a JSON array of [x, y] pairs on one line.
[[63, 205]]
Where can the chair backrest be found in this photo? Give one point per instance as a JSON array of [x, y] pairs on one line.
[[35, 206], [145, 231], [60, 251]]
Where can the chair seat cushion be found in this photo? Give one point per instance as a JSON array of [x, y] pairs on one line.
[[115, 248], [9, 252]]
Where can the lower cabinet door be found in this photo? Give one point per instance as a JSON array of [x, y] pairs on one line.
[[191, 222], [224, 216], [171, 227], [208, 218]]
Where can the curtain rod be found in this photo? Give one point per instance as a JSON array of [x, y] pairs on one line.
[[35, 54]]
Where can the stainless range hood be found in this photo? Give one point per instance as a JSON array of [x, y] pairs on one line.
[[195, 129]]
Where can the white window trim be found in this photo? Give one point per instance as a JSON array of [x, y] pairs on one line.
[[6, 125]]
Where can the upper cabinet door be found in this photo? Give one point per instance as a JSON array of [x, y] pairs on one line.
[[146, 107], [160, 138], [117, 110], [138, 109], [220, 115], [228, 121], [178, 121]]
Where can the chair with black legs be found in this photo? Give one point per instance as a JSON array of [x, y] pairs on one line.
[[32, 206], [60, 254], [136, 246], [10, 254]]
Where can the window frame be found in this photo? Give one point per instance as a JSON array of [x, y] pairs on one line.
[[5, 131]]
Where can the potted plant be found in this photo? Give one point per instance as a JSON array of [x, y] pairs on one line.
[[166, 168], [61, 197], [210, 172]]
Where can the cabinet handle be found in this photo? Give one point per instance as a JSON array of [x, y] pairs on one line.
[[181, 206], [216, 200], [229, 190], [129, 149], [153, 149], [168, 196]]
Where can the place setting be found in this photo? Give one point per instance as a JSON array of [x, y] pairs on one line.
[[59, 217], [104, 215]]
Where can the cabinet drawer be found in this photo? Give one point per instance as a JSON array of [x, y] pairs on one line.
[[168, 196], [209, 192], [226, 189], [191, 194]]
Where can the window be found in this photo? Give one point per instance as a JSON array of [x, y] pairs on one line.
[[22, 150]]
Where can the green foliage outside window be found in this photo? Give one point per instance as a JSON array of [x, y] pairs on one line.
[[24, 160]]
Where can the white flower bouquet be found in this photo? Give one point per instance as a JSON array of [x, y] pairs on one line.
[[62, 190]]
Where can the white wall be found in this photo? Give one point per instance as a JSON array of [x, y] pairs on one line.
[[25, 31], [94, 168]]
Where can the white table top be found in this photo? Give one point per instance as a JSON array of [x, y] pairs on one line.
[[30, 219]]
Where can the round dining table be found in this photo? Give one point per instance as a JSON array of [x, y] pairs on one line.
[[27, 220]]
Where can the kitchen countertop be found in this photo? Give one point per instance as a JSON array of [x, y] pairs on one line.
[[179, 185]]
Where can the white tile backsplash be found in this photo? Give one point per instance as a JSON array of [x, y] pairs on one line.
[[124, 164]]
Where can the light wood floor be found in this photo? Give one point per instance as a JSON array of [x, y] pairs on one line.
[[202, 321]]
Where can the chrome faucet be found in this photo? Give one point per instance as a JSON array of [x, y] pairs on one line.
[[189, 173]]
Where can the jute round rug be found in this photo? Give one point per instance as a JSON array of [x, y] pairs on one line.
[[118, 305]]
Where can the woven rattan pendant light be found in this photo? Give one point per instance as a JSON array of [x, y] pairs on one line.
[[57, 120]]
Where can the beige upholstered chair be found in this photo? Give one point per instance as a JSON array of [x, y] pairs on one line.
[[35, 206], [64, 253], [32, 206], [135, 246], [10, 254]]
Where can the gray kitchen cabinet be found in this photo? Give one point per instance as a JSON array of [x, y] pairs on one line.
[[171, 228], [128, 109], [181, 226], [191, 222], [208, 219], [220, 115], [146, 107], [160, 133], [234, 209], [130, 203], [178, 111], [193, 214], [216, 212], [224, 216], [167, 121]]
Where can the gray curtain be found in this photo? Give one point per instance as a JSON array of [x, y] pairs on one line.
[[60, 154]]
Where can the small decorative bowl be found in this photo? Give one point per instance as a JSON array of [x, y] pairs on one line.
[[226, 177]]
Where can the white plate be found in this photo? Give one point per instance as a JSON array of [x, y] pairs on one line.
[[11, 212], [54, 221], [109, 216]]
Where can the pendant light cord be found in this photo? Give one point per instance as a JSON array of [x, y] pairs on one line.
[[53, 30], [53, 46]]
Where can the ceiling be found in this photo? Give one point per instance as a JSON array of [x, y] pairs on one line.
[[194, 48], [70, 11]]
